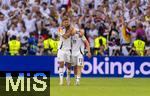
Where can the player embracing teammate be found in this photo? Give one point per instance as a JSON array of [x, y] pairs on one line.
[[78, 42], [71, 50]]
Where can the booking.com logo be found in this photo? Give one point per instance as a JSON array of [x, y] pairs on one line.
[[107, 67]]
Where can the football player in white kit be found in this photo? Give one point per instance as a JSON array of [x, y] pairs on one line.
[[64, 49], [78, 46]]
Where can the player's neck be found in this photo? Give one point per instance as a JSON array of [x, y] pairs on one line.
[[68, 27]]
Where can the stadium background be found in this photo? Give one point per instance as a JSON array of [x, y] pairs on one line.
[[111, 26]]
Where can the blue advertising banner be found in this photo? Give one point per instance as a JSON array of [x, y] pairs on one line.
[[126, 67]]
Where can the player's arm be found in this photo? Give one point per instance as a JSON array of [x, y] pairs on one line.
[[69, 33], [87, 46], [66, 35], [81, 33], [62, 32]]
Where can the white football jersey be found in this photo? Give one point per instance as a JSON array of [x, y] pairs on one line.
[[64, 44], [77, 44]]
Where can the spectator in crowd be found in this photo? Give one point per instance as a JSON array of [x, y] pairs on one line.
[[14, 46], [40, 47], [93, 33], [45, 11], [147, 32], [55, 45], [47, 45], [33, 44], [140, 31], [139, 46], [4, 50], [133, 34], [53, 29], [100, 45], [31, 21], [12, 31], [3, 28], [23, 37]]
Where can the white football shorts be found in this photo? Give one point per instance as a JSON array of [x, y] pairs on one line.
[[64, 56], [77, 59]]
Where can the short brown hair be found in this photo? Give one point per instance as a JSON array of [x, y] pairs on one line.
[[65, 18]]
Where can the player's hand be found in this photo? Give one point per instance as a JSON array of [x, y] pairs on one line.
[[73, 31], [89, 55]]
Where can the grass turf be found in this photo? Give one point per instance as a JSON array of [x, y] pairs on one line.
[[102, 87]]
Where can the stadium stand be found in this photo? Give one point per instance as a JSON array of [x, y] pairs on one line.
[[32, 22]]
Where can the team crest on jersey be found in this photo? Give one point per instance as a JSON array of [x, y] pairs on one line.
[[61, 30]]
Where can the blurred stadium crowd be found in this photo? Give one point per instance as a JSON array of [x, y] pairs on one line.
[[112, 27]]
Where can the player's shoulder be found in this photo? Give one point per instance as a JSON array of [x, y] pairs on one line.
[[76, 29]]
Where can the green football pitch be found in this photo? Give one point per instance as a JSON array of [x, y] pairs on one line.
[[102, 87]]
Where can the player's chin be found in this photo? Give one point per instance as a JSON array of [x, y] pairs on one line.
[[67, 25]]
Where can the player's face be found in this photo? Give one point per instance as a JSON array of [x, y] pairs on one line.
[[66, 23]]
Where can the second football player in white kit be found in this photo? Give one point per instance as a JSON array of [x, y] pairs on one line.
[[78, 46]]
